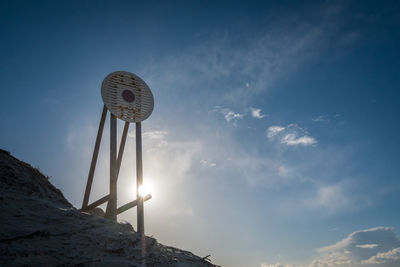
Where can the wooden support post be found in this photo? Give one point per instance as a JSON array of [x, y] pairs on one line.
[[111, 210], [121, 147], [94, 158], [139, 179]]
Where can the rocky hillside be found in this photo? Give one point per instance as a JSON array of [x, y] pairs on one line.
[[39, 227]]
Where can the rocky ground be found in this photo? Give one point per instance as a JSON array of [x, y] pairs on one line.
[[39, 227]]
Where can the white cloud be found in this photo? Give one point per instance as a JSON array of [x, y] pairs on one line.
[[389, 257], [367, 246], [206, 163], [377, 246], [256, 113], [229, 115], [321, 118], [292, 140], [291, 135], [274, 130]]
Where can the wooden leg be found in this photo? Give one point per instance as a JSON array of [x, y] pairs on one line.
[[94, 158], [122, 146], [139, 179], [111, 211]]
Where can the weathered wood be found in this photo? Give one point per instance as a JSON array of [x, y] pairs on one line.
[[111, 210], [96, 203], [131, 204], [94, 158], [122, 146], [139, 179]]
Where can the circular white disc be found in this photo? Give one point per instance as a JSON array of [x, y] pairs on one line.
[[127, 96]]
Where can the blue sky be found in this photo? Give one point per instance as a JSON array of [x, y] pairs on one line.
[[274, 137]]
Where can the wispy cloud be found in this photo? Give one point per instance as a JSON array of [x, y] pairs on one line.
[[321, 118], [367, 246], [274, 130], [206, 163], [292, 140], [291, 135], [256, 113], [160, 135], [330, 198], [229, 115], [225, 70]]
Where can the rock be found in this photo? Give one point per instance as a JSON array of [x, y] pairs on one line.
[[97, 212]]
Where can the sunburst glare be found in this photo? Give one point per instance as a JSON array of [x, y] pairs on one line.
[[146, 188]]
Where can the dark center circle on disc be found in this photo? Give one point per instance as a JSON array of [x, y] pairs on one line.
[[128, 96]]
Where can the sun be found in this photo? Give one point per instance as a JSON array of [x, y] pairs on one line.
[[146, 188]]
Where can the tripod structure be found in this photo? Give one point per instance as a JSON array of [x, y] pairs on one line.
[[128, 98]]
